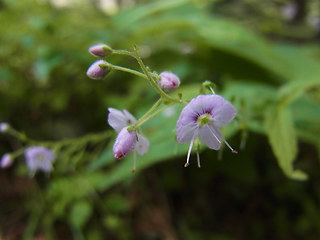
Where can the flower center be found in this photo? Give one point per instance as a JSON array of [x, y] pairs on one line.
[[40, 157], [204, 119]]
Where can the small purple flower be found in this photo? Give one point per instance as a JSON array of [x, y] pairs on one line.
[[169, 81], [100, 50], [39, 158], [4, 127], [6, 161], [125, 142], [98, 69], [121, 119], [202, 118]]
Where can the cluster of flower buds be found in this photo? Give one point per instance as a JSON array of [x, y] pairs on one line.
[[100, 68]]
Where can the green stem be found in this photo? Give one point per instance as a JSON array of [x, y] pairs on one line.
[[21, 136], [124, 69], [93, 138], [147, 75], [138, 124], [123, 52], [145, 116]]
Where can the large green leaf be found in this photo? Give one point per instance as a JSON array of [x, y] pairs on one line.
[[283, 140]]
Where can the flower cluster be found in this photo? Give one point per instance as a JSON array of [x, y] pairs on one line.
[[200, 119]]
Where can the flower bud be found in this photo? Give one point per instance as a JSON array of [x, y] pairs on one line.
[[4, 127], [98, 69], [169, 81], [100, 50], [6, 161], [124, 144]]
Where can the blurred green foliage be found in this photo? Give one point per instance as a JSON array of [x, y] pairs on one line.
[[266, 65]]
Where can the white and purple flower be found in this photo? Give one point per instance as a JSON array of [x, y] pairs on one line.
[[39, 158], [126, 140], [202, 118]]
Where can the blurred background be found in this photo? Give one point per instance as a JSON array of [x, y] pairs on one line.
[[263, 56]]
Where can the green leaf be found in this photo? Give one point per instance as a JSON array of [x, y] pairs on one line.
[[305, 73], [283, 140]]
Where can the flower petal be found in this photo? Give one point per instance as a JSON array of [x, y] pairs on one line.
[[211, 136], [125, 143], [130, 119], [222, 111], [185, 133], [119, 119], [142, 146]]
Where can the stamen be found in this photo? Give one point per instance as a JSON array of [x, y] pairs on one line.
[[214, 135], [198, 160], [212, 90], [225, 141], [189, 152]]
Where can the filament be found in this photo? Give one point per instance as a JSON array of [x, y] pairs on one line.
[[189, 152], [225, 141]]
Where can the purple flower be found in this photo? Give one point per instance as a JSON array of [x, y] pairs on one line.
[[100, 50], [202, 118], [98, 69], [4, 127], [126, 140], [121, 119], [6, 161], [39, 158], [169, 81]]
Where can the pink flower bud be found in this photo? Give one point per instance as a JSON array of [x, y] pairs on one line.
[[169, 81], [125, 143], [6, 161], [100, 50], [98, 69], [4, 127]]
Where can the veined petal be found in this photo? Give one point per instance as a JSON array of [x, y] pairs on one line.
[[211, 136], [119, 119], [185, 133], [142, 146], [222, 111]]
